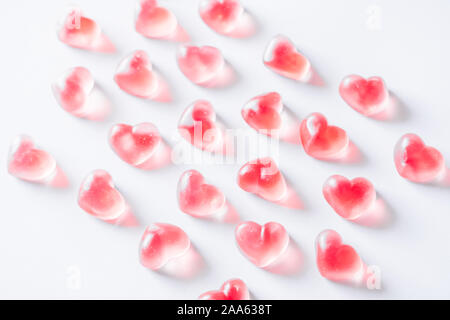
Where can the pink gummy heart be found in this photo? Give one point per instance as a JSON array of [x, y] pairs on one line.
[[135, 76], [262, 177], [321, 140], [197, 198], [153, 21], [200, 64], [198, 125], [262, 245], [349, 198], [26, 162], [263, 112], [99, 197], [336, 261], [134, 144], [234, 289], [160, 243], [72, 89], [282, 57], [417, 162], [221, 15], [368, 97]]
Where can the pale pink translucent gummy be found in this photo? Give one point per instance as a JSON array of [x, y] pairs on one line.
[[154, 21], [263, 112], [160, 243], [221, 15], [233, 289], [200, 64]]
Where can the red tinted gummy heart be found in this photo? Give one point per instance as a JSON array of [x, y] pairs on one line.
[[282, 57], [262, 177], [197, 198], [234, 289], [153, 21], [134, 75], [321, 140], [368, 97], [160, 243], [263, 112], [349, 198], [200, 64], [417, 162], [262, 245], [337, 261], [221, 15]]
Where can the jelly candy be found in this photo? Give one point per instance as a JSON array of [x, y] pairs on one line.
[[28, 163], [135, 76], [153, 21], [221, 15], [321, 140], [99, 197], [349, 198], [201, 65], [198, 126], [282, 57], [197, 198], [337, 261], [234, 289], [72, 89], [135, 144], [368, 97], [262, 177], [160, 243], [417, 162], [262, 245], [263, 112]]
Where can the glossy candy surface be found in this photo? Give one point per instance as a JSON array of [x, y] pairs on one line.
[[263, 112], [154, 21], [221, 15], [234, 289], [160, 243]]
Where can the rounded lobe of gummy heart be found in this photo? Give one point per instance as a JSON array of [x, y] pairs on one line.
[[134, 144], [262, 245], [336, 261], [72, 88], [262, 177], [417, 162], [321, 140], [160, 243], [197, 198], [349, 198], [234, 289], [98, 196], [153, 21], [197, 125], [200, 64], [134, 75], [368, 97], [282, 57], [26, 162], [78, 31], [221, 15], [263, 112]]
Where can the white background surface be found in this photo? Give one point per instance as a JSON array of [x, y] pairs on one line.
[[44, 234]]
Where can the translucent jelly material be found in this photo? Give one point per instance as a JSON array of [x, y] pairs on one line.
[[262, 245], [221, 15], [368, 97], [417, 162], [321, 140], [134, 144], [197, 198], [337, 261], [135, 76], [72, 88], [234, 289], [262, 177], [200, 64], [263, 112], [282, 57], [198, 126], [349, 198], [160, 243], [26, 162], [154, 21], [99, 197]]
